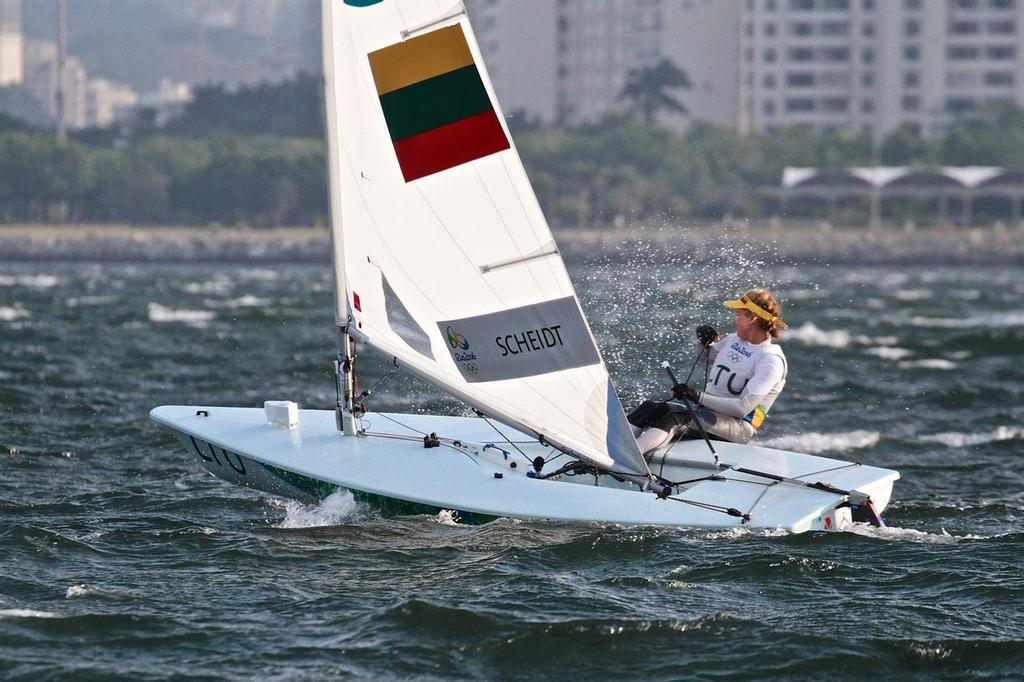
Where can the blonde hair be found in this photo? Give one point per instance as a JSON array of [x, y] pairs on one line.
[[766, 300]]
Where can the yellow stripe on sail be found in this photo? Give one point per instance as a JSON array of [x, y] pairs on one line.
[[417, 59]]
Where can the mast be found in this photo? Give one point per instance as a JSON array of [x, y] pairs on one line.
[[344, 366]]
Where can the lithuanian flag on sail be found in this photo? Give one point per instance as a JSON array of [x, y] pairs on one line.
[[435, 104]]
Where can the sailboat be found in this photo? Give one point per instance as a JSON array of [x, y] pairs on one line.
[[445, 265]]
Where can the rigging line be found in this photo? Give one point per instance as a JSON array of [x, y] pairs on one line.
[[815, 473], [489, 423], [413, 438], [763, 493], [731, 511]]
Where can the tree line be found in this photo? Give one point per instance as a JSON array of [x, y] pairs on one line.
[[255, 157]]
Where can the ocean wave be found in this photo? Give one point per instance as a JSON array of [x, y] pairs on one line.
[[82, 590], [889, 352], [914, 294], [337, 508], [811, 335], [88, 300], [814, 443], [928, 363], [999, 320], [31, 281], [896, 534], [10, 314], [247, 301], [956, 439], [26, 613], [195, 318]]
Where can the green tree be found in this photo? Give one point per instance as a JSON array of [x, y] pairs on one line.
[[648, 89]]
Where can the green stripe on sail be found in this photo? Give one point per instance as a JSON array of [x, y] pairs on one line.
[[435, 102]]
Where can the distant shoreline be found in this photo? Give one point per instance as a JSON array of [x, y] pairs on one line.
[[790, 246]]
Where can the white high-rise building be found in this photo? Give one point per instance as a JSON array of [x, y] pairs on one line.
[[879, 65], [11, 43], [568, 60]]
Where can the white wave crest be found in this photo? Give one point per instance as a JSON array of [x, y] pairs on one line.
[[809, 334], [337, 508], [889, 352], [813, 443], [194, 318], [25, 613], [31, 281], [928, 363], [9, 314], [247, 301], [88, 300], [908, 534], [995, 320], [955, 439]]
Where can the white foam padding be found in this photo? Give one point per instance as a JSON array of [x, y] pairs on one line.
[[282, 413]]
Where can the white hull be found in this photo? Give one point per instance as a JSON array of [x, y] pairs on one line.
[[308, 461]]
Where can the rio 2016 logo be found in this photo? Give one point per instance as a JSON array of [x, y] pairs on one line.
[[457, 340]]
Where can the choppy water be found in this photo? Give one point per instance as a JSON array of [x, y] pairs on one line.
[[121, 558]]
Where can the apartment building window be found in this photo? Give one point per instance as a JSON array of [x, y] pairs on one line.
[[769, 108], [801, 28], [1002, 27], [800, 79], [868, 5], [912, 28], [962, 52], [799, 104], [960, 105], [867, 106], [835, 28], [836, 54], [911, 79], [961, 79], [769, 55], [836, 5], [769, 80], [835, 105], [868, 30], [1004, 4], [911, 53], [801, 5], [835, 79], [911, 5], [867, 55], [867, 80], [1001, 52], [770, 5], [967, 4], [911, 103], [769, 29], [963, 28], [800, 54], [999, 78]]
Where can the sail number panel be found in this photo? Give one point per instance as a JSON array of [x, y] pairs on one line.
[[520, 342]]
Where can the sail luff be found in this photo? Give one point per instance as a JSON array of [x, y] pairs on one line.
[[342, 314]]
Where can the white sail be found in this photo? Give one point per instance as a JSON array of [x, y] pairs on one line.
[[443, 258]]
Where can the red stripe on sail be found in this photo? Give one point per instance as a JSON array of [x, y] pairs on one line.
[[450, 145]]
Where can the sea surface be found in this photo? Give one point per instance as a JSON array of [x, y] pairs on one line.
[[120, 558]]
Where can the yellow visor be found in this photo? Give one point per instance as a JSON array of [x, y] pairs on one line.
[[744, 303]]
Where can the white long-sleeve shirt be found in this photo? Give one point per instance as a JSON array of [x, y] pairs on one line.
[[744, 376]]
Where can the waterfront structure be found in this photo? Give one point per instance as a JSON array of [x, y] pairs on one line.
[[878, 65], [11, 43]]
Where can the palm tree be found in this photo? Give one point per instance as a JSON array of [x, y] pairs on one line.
[[647, 87]]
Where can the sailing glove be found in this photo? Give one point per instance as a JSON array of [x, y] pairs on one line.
[[686, 391], [707, 335]]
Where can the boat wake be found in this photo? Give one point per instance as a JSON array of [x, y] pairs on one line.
[[895, 534], [335, 509]]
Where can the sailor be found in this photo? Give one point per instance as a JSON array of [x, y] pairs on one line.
[[746, 374]]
